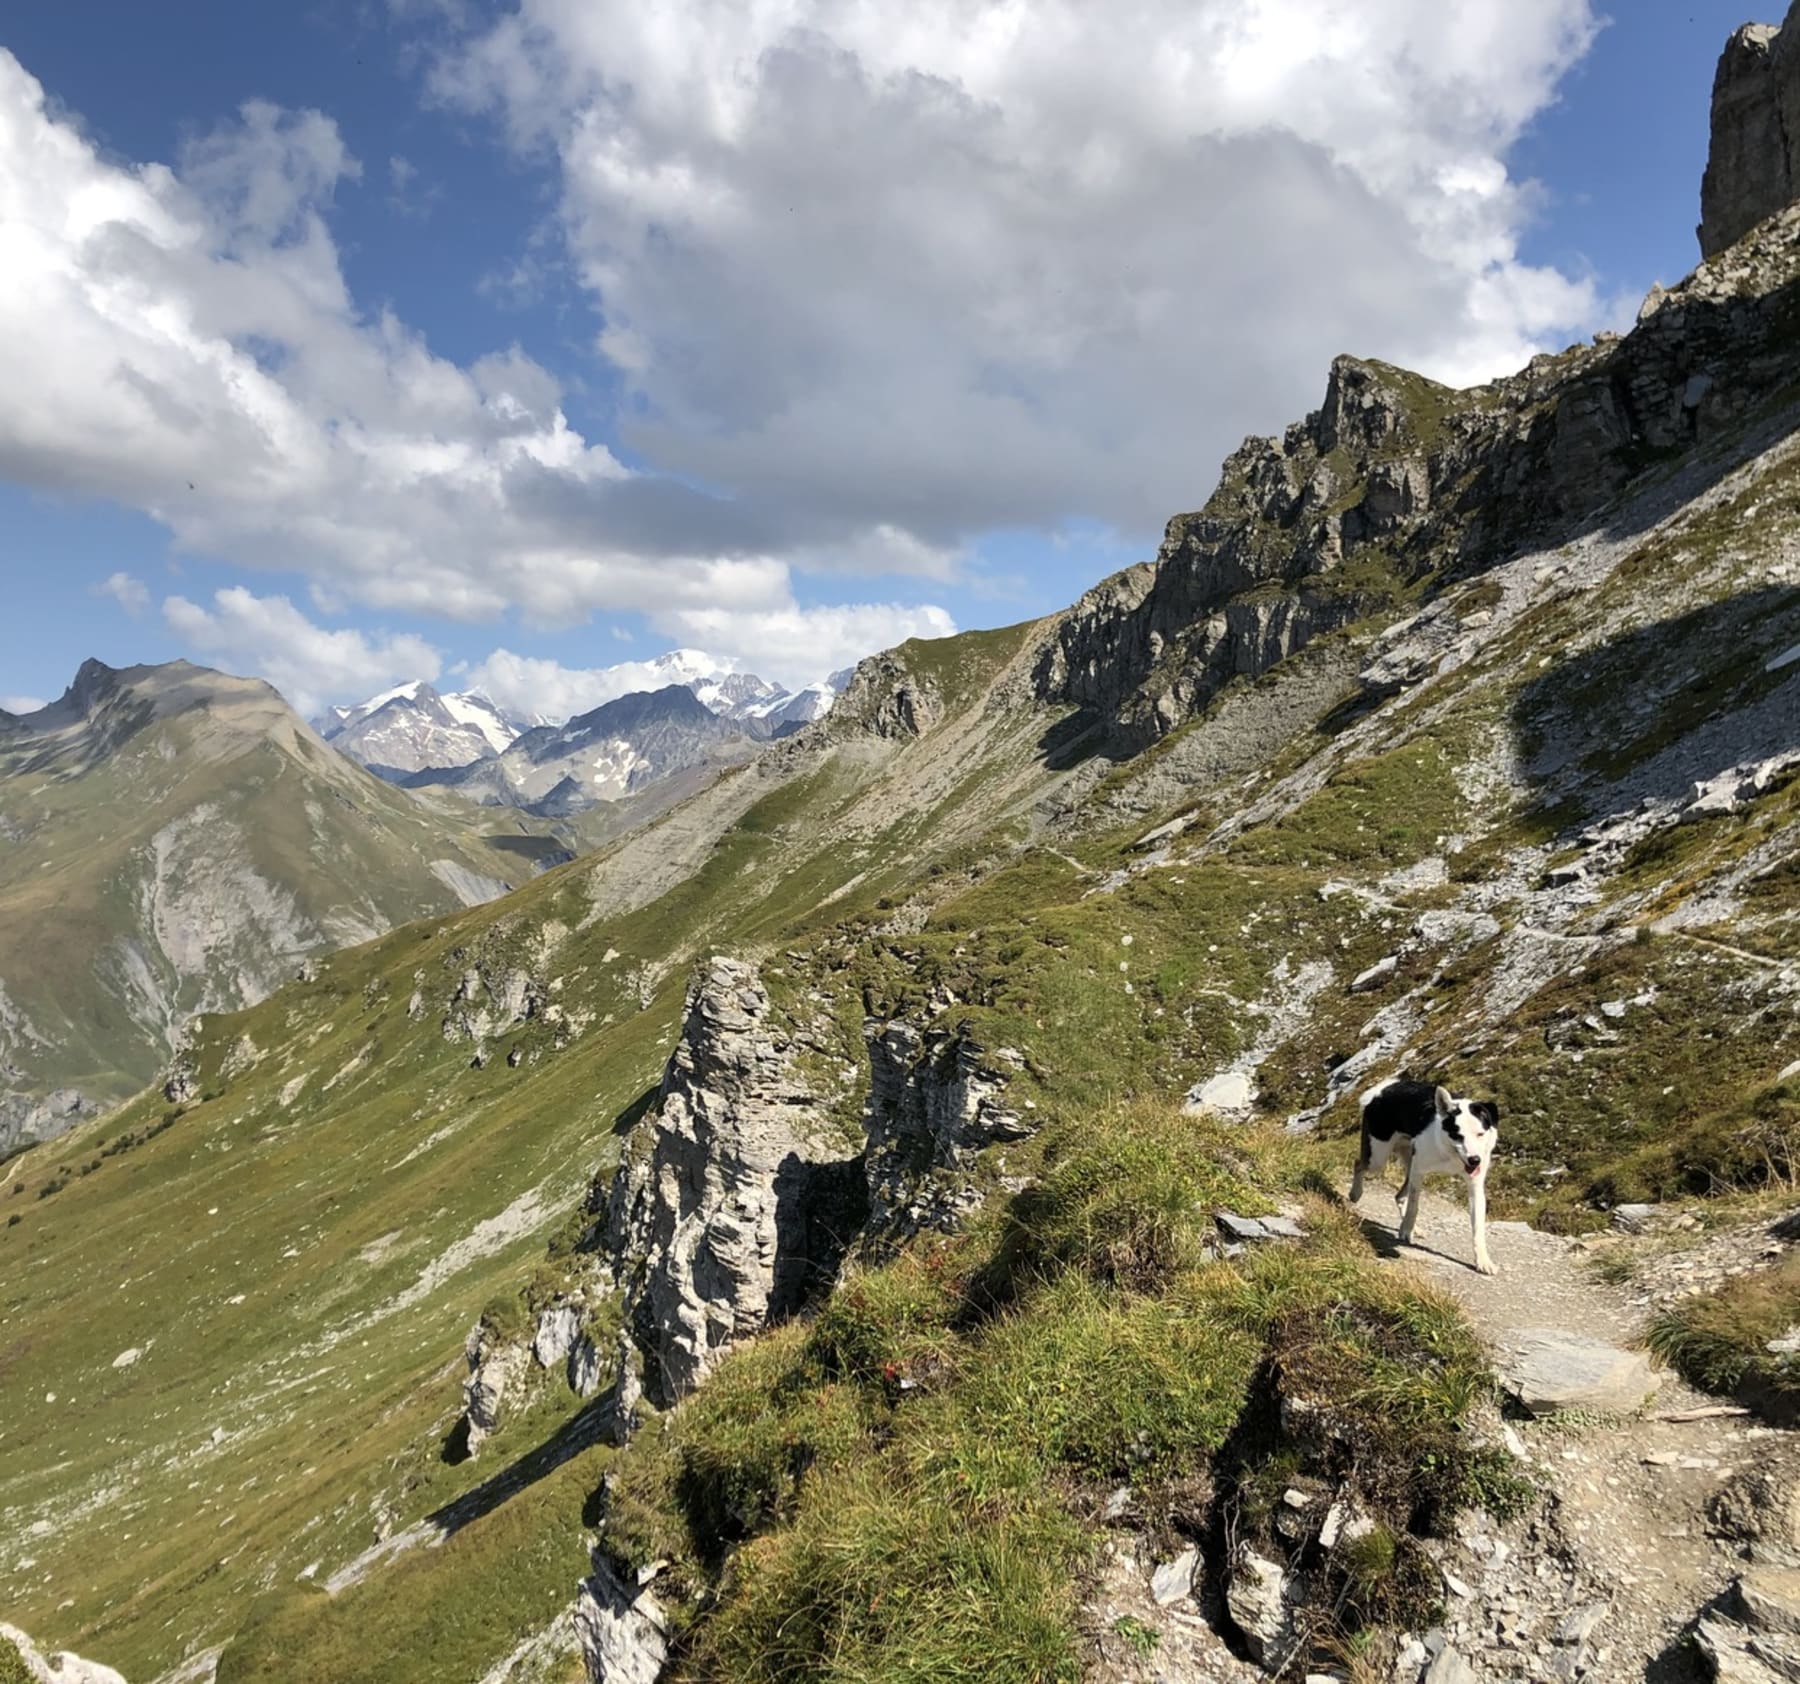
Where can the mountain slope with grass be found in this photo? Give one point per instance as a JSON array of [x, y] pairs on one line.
[[880, 1218], [175, 841]]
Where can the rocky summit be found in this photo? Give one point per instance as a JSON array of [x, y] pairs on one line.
[[1753, 165], [882, 1213]]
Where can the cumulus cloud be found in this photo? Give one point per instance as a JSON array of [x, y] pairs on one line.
[[873, 282], [193, 351], [970, 264], [131, 593], [310, 665], [791, 646]]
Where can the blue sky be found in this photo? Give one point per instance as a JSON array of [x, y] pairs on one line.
[[511, 343]]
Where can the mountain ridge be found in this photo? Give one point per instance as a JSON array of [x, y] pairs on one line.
[[916, 1109], [149, 868]]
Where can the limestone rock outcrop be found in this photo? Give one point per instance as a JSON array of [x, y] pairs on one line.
[[622, 1629], [936, 1098], [1753, 163], [1395, 479], [736, 1198], [61, 1668], [497, 1372]]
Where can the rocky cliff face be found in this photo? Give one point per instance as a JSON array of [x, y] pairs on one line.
[[737, 1200], [736, 1197], [936, 1098], [1395, 480], [1753, 165]]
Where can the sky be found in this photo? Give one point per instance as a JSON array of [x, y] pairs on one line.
[[354, 341]]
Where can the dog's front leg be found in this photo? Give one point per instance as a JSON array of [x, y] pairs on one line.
[[1484, 1264], [1415, 1185]]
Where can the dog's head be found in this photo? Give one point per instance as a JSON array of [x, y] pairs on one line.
[[1473, 1126]]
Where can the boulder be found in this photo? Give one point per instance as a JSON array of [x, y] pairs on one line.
[[1173, 1581], [1769, 1598], [1549, 1370], [557, 1330], [1448, 1667], [1754, 1637], [622, 1629], [1258, 1601], [1230, 1094], [1365, 982]]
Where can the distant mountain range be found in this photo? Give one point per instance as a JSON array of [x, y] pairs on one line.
[[413, 727], [603, 755], [685, 710]]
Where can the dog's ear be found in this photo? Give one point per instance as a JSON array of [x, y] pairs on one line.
[[1445, 1102], [1488, 1112]]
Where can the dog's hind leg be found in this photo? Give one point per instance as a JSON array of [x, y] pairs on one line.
[[1484, 1264]]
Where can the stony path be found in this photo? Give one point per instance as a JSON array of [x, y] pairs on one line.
[[1627, 1528]]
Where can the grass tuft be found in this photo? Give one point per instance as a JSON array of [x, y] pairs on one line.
[[1719, 1339]]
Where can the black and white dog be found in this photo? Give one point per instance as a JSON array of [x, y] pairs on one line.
[[1434, 1134]]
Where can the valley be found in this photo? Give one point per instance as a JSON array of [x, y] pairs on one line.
[[877, 1213]]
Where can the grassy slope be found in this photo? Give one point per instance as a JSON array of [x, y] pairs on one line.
[[322, 1183], [871, 872], [343, 853], [1120, 985]]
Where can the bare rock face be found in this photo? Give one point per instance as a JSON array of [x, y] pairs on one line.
[[736, 1199], [1753, 164], [1395, 478], [885, 698], [497, 1373], [935, 1100], [63, 1668], [622, 1629]]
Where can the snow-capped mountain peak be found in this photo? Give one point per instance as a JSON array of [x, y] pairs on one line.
[[412, 728]]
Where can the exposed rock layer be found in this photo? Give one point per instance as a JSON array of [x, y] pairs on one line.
[[736, 1196], [1753, 163]]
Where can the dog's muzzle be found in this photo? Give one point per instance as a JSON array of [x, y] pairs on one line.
[[1472, 1165]]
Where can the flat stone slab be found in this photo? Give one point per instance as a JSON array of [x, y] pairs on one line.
[[1548, 1370]]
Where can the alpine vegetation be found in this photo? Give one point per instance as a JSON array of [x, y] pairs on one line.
[[896, 1200]]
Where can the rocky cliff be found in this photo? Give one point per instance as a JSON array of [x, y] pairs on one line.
[[736, 1199], [1753, 165], [1396, 482]]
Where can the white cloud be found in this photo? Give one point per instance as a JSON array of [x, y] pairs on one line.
[[130, 593], [21, 704], [973, 264], [875, 281], [194, 352], [790, 646], [269, 637], [795, 645]]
